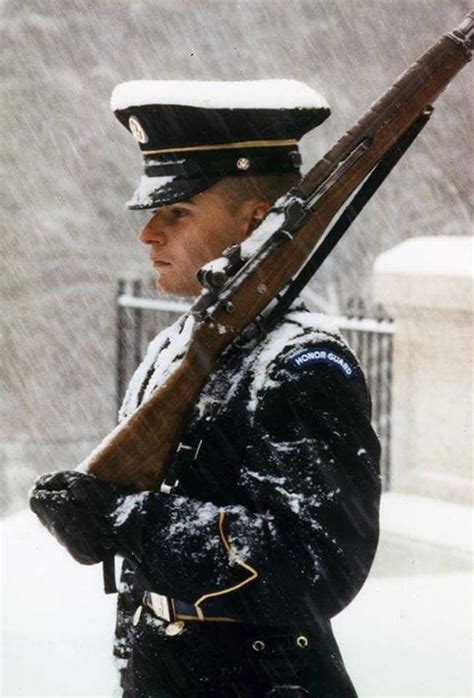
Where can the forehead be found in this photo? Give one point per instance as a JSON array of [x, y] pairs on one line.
[[204, 201]]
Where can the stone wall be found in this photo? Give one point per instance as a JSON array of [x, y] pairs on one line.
[[426, 283]]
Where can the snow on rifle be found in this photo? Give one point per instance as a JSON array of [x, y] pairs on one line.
[[242, 286]]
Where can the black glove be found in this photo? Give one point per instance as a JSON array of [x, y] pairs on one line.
[[81, 512]]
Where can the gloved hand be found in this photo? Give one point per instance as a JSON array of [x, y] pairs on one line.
[[83, 513]]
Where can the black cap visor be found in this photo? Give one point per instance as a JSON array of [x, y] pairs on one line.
[[154, 192]]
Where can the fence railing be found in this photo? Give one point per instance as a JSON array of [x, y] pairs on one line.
[[139, 318]]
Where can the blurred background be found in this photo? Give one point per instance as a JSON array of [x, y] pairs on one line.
[[68, 168]]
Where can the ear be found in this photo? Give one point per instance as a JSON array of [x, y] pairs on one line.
[[254, 213]]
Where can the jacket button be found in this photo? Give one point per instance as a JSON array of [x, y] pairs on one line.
[[302, 641], [258, 645]]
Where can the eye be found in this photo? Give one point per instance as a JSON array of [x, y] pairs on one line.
[[178, 212]]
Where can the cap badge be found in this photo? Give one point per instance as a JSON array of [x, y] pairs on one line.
[[137, 130], [243, 164]]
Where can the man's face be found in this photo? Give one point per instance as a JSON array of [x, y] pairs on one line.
[[184, 236]]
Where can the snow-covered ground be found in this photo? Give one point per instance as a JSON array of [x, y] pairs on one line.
[[408, 633]]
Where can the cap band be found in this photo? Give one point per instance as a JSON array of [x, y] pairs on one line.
[[236, 161], [224, 146]]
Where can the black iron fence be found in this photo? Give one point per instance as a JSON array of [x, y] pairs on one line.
[[369, 332], [370, 335]]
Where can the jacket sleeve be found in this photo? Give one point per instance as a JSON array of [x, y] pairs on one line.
[[304, 541]]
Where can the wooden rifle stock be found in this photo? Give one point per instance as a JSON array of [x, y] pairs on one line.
[[137, 452]]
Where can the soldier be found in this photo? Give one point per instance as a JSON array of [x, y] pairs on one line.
[[231, 576]]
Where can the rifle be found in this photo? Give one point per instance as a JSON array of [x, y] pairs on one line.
[[248, 288]]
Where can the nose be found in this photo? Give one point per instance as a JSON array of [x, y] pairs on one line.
[[153, 232]]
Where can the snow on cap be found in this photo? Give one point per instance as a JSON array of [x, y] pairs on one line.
[[250, 94], [193, 133]]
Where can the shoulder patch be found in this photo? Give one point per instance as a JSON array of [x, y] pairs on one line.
[[301, 358]]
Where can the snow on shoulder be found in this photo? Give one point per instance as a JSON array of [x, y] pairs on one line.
[[210, 94], [301, 328]]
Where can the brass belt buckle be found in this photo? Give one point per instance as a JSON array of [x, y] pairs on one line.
[[159, 604]]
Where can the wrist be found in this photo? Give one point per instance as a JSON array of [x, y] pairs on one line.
[[127, 520]]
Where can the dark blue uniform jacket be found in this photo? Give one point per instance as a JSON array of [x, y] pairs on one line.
[[274, 518]]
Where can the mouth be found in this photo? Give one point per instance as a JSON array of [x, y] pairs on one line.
[[159, 263]]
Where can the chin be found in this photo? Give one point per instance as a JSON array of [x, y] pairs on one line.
[[176, 289]]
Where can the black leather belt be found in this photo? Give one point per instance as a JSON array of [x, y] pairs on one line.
[[177, 613]]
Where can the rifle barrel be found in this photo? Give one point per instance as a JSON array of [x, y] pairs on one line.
[[446, 57]]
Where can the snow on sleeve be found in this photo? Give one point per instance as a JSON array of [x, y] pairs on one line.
[[127, 505], [252, 94]]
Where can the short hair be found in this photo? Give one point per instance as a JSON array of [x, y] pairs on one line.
[[236, 190]]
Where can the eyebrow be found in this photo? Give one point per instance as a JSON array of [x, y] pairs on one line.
[[188, 202]]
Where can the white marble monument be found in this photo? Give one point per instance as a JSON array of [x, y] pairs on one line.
[[426, 283]]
